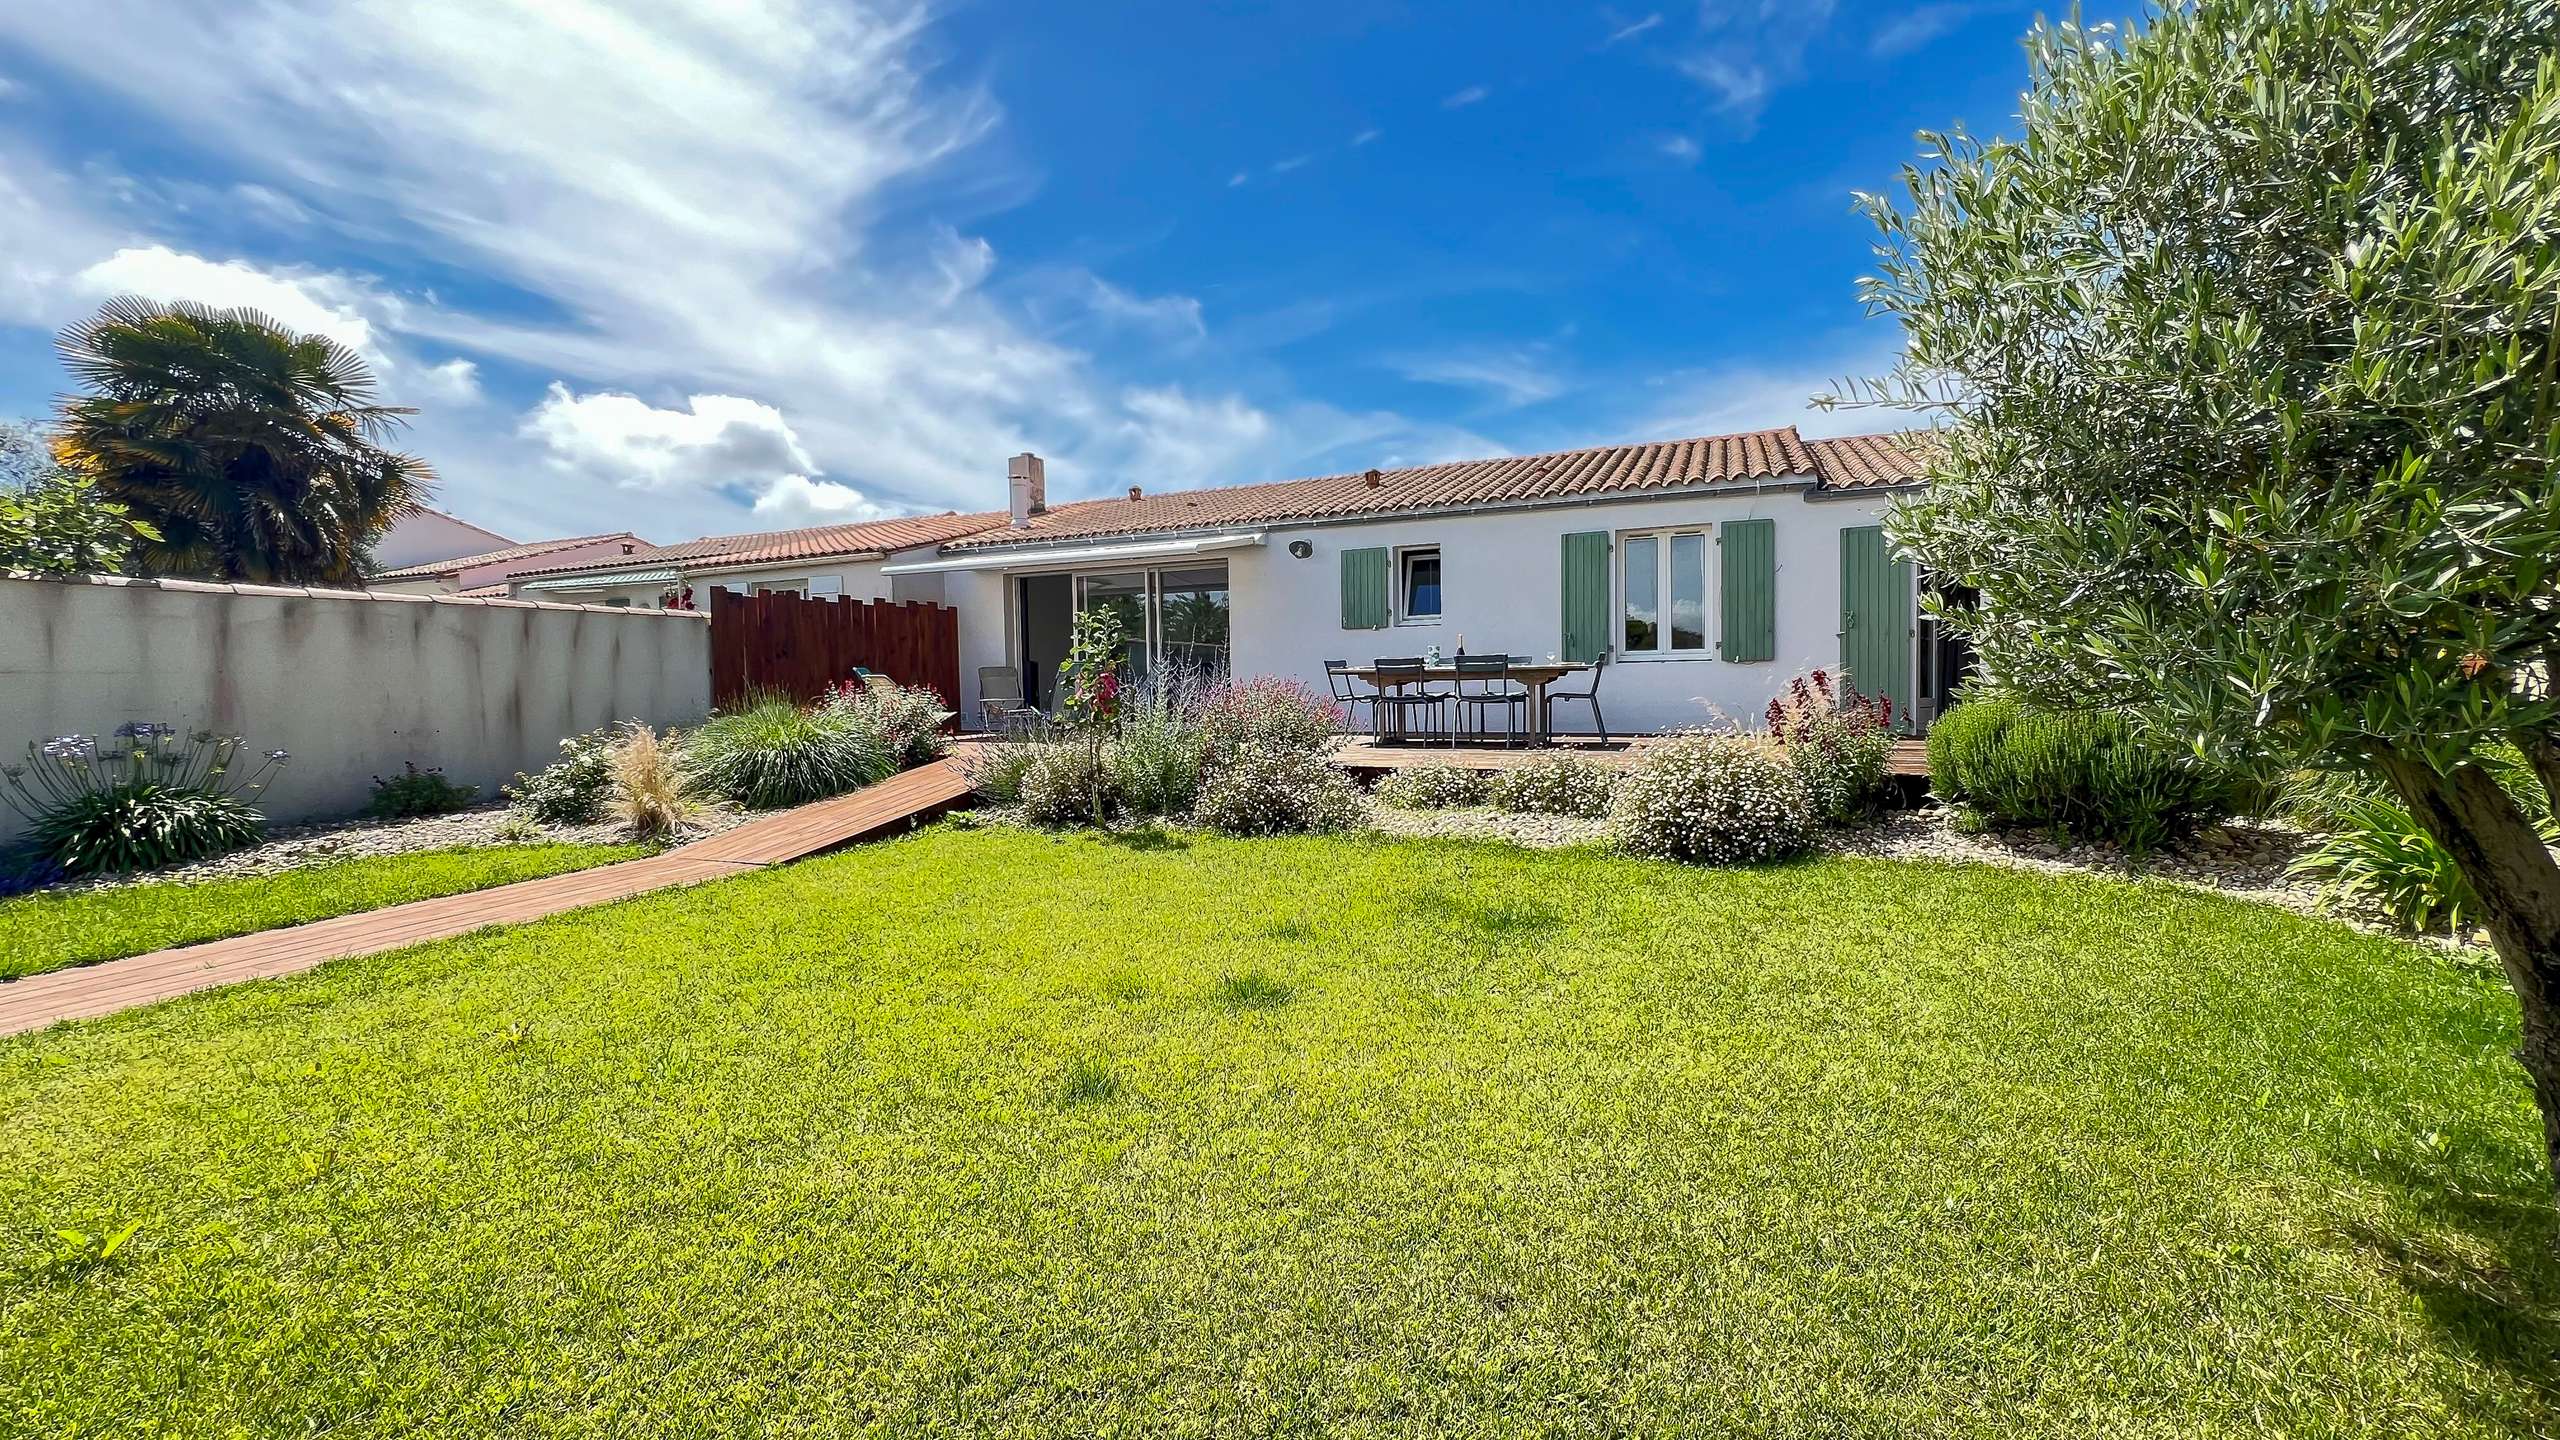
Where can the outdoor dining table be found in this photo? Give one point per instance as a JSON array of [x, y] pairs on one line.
[[1534, 676]]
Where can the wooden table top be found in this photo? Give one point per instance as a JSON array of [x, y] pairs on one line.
[[1539, 672]]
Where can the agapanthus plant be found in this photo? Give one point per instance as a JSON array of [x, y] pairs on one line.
[[140, 798]]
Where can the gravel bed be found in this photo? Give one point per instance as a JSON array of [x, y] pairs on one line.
[[293, 847]]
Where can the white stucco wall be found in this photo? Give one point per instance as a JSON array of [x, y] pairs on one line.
[[1502, 589], [351, 683]]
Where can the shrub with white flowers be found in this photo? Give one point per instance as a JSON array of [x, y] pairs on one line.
[[1713, 800], [1432, 787], [1556, 785], [1062, 783], [1265, 788]]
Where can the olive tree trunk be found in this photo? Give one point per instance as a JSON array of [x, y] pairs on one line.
[[2499, 852]]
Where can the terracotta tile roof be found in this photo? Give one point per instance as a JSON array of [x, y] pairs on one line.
[[782, 547], [1868, 462], [529, 550], [1606, 469]]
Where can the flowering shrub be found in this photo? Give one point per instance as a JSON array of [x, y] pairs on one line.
[[573, 789], [1838, 743], [415, 792], [1272, 713], [1067, 782], [1713, 800], [140, 801], [904, 721], [1091, 670], [1555, 785], [1432, 787], [1276, 789]]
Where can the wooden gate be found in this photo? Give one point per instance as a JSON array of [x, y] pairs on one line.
[[802, 648]]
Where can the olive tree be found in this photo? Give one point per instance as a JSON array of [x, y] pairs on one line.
[[2246, 356]]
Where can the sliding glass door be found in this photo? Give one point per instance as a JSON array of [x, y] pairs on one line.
[[1174, 618]]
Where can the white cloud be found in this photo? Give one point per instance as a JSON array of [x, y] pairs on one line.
[[1365, 137], [1679, 148], [1238, 179], [1175, 315], [1916, 27], [1632, 29], [1726, 399], [716, 443], [1465, 98], [1745, 50], [456, 381], [708, 198], [1294, 162], [1516, 377], [315, 303], [792, 501]]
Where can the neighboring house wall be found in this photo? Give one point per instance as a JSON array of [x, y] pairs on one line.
[[351, 683], [432, 535], [1502, 589]]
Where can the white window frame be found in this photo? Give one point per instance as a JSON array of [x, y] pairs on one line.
[[1663, 654], [799, 587], [1405, 555]]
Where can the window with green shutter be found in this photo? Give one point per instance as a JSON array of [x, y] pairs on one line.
[[1749, 550], [1364, 589], [1586, 595]]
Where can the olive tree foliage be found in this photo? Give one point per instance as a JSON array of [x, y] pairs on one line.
[[2245, 353]]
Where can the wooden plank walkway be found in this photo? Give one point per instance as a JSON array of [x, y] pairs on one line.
[[895, 804]]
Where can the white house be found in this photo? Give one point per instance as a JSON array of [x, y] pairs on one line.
[[425, 534], [1709, 572], [835, 560]]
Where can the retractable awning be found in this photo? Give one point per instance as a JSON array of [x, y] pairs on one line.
[[1045, 557], [619, 579]]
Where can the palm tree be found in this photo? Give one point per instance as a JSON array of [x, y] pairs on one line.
[[253, 451]]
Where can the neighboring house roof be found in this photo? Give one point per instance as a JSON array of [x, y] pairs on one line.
[[1870, 462], [530, 550], [784, 547], [1753, 456]]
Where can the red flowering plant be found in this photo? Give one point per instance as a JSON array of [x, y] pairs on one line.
[[1838, 741]]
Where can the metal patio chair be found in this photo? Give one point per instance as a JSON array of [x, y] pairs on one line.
[[1346, 693], [1492, 688], [1001, 708], [1589, 695], [1404, 702]]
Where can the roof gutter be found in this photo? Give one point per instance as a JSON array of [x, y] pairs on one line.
[[1369, 517], [1023, 557]]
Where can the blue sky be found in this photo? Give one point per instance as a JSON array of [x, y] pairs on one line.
[[735, 264]]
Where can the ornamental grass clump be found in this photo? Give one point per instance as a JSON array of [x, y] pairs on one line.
[[1160, 750], [1713, 800], [138, 801], [1432, 787], [772, 753], [1839, 742], [650, 791], [1555, 785]]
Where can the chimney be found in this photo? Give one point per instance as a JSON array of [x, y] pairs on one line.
[[1133, 494], [1027, 482]]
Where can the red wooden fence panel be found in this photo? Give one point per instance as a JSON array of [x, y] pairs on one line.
[[803, 647]]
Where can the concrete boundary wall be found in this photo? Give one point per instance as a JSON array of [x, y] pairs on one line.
[[352, 683]]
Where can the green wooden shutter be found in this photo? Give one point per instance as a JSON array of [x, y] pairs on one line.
[[1876, 619], [1586, 595], [1749, 550], [1364, 589]]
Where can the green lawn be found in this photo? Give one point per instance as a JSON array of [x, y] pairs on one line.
[[47, 932], [989, 1132]]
